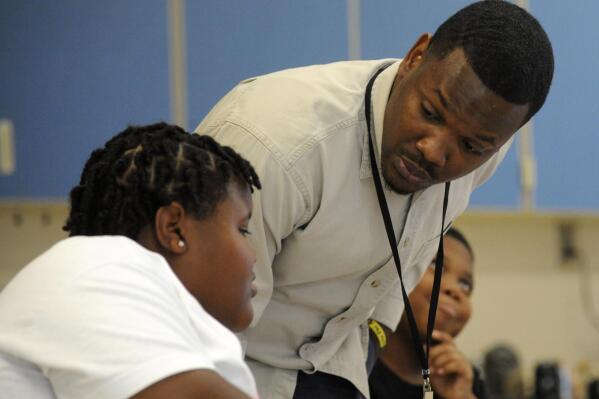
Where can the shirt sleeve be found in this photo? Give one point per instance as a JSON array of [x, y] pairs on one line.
[[116, 329], [279, 207]]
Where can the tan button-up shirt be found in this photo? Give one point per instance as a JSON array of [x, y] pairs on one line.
[[324, 263]]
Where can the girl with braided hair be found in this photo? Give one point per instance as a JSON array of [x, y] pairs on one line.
[[143, 298]]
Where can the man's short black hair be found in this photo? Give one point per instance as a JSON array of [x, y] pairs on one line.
[[143, 168], [505, 46]]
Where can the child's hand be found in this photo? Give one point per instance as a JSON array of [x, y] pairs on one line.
[[451, 372]]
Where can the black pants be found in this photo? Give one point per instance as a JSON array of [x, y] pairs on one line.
[[327, 386]]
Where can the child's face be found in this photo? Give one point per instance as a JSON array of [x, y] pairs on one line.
[[218, 268], [454, 307]]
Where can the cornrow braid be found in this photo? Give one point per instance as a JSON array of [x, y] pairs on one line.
[[142, 168]]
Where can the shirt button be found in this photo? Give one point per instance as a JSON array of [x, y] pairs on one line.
[[342, 319], [406, 242], [374, 284]]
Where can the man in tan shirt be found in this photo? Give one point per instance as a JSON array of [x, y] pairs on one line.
[[446, 112]]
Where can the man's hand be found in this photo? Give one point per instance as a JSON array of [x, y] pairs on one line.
[[451, 372]]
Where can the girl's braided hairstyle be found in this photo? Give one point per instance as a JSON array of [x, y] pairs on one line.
[[143, 168]]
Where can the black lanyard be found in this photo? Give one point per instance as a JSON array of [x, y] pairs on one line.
[[393, 243]]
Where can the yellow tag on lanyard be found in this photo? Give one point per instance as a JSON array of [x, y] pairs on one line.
[[378, 332]]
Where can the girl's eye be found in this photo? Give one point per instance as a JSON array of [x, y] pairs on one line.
[[466, 285]]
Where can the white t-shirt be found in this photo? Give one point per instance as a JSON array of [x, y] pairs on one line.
[[102, 317]]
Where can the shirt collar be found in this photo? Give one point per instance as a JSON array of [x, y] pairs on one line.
[[380, 94]]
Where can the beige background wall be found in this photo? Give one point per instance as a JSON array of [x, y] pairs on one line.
[[26, 230], [523, 294], [526, 296]]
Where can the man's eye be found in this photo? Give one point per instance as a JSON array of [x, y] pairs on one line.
[[429, 114], [471, 148], [245, 231]]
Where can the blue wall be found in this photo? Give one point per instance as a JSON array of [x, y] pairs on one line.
[[228, 41], [75, 75], [567, 129]]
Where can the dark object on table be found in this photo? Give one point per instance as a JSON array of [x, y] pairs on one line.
[[593, 392], [502, 373], [547, 381]]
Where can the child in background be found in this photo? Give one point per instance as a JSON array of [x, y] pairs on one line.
[[397, 373], [142, 298]]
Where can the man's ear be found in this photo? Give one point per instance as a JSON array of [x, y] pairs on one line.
[[414, 57], [168, 227]]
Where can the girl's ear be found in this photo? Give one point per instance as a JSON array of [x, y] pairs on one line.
[[168, 226]]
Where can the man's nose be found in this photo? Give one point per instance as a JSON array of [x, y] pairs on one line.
[[436, 147]]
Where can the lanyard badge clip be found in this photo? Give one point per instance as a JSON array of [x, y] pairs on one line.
[[426, 387]]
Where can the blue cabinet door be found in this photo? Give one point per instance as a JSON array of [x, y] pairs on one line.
[[73, 74]]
